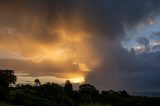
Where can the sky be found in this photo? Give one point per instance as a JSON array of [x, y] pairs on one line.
[[111, 44]]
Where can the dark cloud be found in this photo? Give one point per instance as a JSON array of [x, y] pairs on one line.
[[110, 17], [155, 35], [120, 69], [143, 41], [156, 47], [103, 17]]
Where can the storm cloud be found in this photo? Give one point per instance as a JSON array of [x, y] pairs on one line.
[[59, 37]]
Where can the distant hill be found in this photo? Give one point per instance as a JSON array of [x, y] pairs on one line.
[[148, 94]]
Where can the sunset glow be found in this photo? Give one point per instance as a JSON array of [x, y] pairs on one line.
[[71, 53], [77, 80], [111, 44]]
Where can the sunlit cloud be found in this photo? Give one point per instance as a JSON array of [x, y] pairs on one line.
[[70, 48]]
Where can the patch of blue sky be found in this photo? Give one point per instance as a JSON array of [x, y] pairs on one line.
[[142, 30]]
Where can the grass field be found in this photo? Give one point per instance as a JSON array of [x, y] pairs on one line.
[[4, 104], [95, 105]]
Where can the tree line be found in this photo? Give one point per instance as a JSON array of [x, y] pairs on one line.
[[53, 94]]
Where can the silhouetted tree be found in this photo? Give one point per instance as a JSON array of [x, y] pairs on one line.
[[123, 93], [109, 97], [53, 92], [88, 93], [37, 82], [68, 88], [7, 77]]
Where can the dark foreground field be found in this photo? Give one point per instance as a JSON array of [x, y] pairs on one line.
[[3, 104]]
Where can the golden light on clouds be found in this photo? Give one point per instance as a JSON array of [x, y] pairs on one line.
[[77, 80], [83, 67], [70, 53], [44, 50]]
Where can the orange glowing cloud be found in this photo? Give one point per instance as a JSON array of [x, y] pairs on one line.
[[30, 44], [71, 48]]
